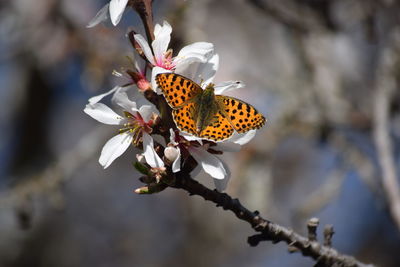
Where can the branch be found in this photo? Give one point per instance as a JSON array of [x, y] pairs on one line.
[[323, 254], [385, 87], [144, 9]]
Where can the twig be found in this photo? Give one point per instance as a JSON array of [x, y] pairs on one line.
[[312, 226], [328, 233], [270, 231], [144, 9]]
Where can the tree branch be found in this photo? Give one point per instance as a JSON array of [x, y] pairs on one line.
[[323, 254]]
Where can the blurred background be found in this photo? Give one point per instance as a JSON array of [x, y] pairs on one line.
[[324, 73]]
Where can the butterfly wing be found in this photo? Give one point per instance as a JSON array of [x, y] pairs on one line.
[[242, 116], [220, 128], [184, 118], [177, 89]]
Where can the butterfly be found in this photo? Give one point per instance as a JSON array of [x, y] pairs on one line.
[[202, 113]]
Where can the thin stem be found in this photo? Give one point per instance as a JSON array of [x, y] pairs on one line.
[[144, 9]]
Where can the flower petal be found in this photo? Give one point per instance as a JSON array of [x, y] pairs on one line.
[[191, 137], [114, 148], [242, 139], [210, 163], [121, 99], [227, 86], [161, 41], [220, 184], [197, 170], [103, 114], [101, 16], [149, 153], [146, 112], [199, 71], [140, 65], [117, 8], [154, 72], [145, 47], [172, 136], [97, 98], [176, 165], [227, 146], [199, 51]]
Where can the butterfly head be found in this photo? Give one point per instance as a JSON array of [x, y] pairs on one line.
[[209, 90]]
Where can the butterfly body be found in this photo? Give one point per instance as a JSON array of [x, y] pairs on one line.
[[207, 108], [202, 113]]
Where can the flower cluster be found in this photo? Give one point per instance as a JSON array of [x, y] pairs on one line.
[[141, 122]]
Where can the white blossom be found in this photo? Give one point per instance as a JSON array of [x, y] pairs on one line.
[[161, 57], [136, 125], [115, 8]]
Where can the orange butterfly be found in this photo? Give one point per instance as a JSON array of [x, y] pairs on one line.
[[202, 113]]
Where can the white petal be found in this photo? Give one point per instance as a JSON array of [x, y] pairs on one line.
[[140, 65], [197, 170], [162, 37], [145, 47], [103, 114], [166, 27], [176, 165], [227, 86], [101, 16], [146, 112], [208, 71], [149, 153], [199, 71], [97, 98], [210, 163], [199, 51], [242, 139], [227, 146], [172, 137], [221, 184], [114, 148], [122, 100], [154, 72], [190, 137], [159, 139], [117, 8]]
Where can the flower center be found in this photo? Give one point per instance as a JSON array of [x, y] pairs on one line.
[[166, 61], [135, 125]]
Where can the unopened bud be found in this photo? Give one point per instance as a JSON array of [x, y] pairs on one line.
[[151, 189], [171, 153], [143, 85], [142, 190]]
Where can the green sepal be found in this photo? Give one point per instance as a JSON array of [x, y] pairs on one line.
[[141, 168]]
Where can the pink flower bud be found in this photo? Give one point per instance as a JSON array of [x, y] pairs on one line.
[[143, 85]]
